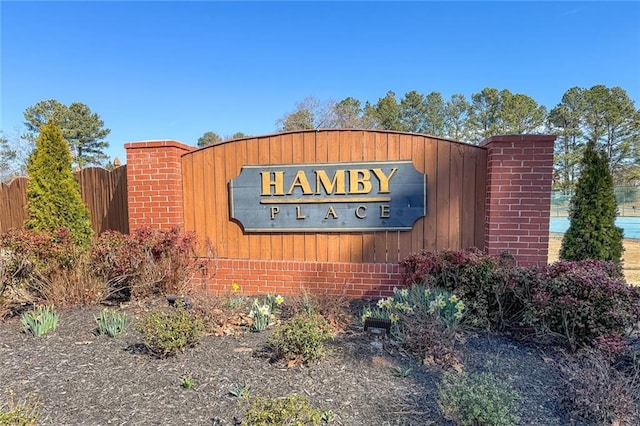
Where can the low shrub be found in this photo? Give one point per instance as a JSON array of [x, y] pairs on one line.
[[292, 410], [166, 333], [484, 282], [477, 399], [146, 262], [47, 267], [40, 320], [301, 339], [111, 323], [586, 302], [596, 393], [333, 307]]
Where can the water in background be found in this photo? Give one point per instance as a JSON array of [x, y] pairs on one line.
[[630, 225]]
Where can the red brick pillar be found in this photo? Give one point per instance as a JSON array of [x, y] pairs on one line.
[[154, 183], [520, 172]]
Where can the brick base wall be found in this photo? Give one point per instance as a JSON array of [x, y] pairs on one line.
[[358, 280]]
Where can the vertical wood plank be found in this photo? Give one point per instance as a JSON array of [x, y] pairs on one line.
[[253, 239], [411, 148], [286, 147], [322, 239], [442, 188], [264, 154], [467, 206], [380, 237], [368, 238], [455, 192], [187, 196], [393, 237], [356, 239], [344, 154], [297, 149], [241, 160], [275, 148], [309, 156], [333, 155], [481, 198], [431, 167], [220, 205], [418, 154], [204, 193], [233, 231]]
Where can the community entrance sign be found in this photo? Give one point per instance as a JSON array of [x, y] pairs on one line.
[[328, 197]]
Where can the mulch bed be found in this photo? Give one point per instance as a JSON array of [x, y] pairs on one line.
[[79, 378]]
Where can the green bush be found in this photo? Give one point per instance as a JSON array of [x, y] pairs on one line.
[[486, 283], [293, 410], [592, 232], [53, 194], [477, 399], [166, 333], [111, 323], [39, 320], [301, 339]]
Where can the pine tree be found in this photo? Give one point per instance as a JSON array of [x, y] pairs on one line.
[[53, 193], [592, 232]]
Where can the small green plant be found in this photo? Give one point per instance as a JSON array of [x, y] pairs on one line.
[[166, 333], [187, 383], [274, 302], [292, 410], [446, 306], [327, 416], [301, 339], [477, 399], [262, 315], [18, 413], [111, 323], [240, 390], [237, 297], [400, 371], [39, 320]]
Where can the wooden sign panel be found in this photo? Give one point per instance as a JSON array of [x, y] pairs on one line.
[[328, 197]]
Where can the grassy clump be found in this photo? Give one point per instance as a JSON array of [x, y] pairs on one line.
[[111, 323], [18, 413], [39, 320], [301, 339], [477, 399], [166, 333], [293, 410]]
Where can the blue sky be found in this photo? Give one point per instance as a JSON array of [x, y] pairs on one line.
[[174, 70]]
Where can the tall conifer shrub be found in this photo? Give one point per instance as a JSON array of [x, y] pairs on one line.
[[592, 232], [53, 193]]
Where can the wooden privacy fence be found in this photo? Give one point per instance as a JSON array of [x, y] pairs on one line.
[[104, 192]]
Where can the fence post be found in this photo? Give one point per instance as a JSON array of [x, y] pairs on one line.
[[154, 182], [519, 180]]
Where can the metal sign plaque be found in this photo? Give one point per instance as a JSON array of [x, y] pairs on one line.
[[328, 197]]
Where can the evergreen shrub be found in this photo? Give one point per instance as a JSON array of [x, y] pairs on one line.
[[592, 232], [53, 194]]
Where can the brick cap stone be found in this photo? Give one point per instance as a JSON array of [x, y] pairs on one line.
[[518, 138], [158, 144]]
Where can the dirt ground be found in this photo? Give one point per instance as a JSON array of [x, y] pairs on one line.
[[79, 378], [631, 256]]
